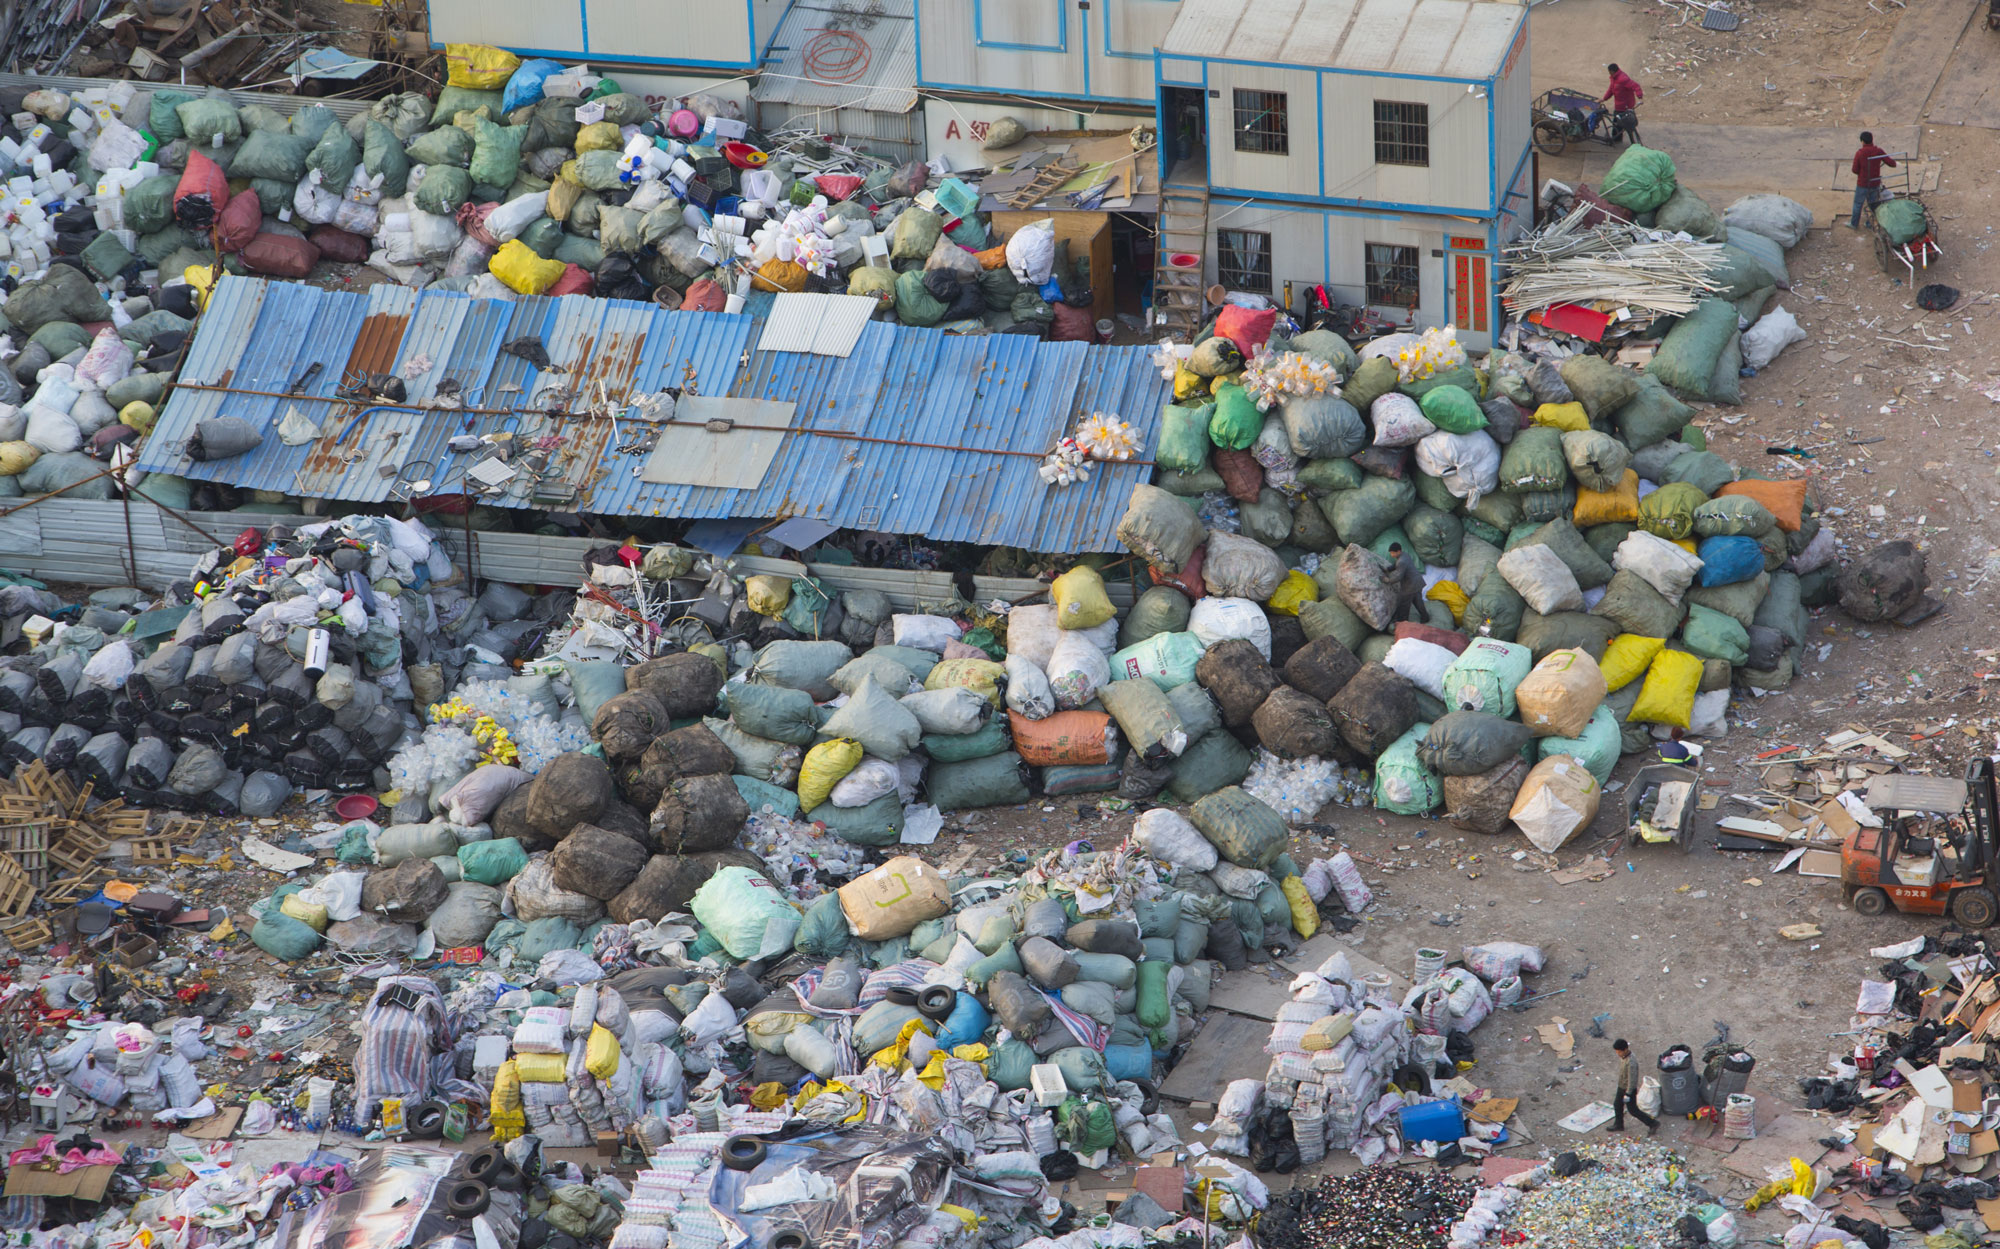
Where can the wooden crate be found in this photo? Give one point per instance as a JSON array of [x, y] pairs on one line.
[[152, 852], [27, 934], [16, 896], [28, 846]]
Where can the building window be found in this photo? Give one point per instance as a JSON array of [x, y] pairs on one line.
[[1402, 133], [1243, 261], [1263, 122], [1392, 276]]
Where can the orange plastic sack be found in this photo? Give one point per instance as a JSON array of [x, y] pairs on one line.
[[1785, 500], [201, 186], [779, 275], [1609, 507], [705, 295], [1065, 739], [992, 257], [576, 280]]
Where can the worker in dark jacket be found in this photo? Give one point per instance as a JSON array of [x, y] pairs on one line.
[[1628, 1089], [1868, 164]]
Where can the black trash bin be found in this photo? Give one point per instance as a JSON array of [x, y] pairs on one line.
[[1680, 1083]]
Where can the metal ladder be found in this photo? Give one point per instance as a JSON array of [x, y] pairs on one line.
[[1177, 293]]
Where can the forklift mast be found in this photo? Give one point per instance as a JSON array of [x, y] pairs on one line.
[[1979, 787]]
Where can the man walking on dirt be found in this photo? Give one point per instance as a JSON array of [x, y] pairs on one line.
[[1624, 95], [1868, 163], [1627, 1095]]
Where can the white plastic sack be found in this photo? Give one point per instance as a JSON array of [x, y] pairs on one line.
[[568, 967], [109, 667], [1709, 716], [710, 1021], [434, 237], [1169, 837], [109, 360], [870, 779], [1469, 464], [340, 893], [1422, 663], [53, 431], [480, 792], [1031, 253], [1028, 689], [313, 203], [1668, 568], [1774, 331], [1820, 552], [507, 221], [1032, 633], [1078, 666], [925, 633], [1775, 217], [1215, 620], [91, 411], [1398, 421], [952, 711], [1539, 576]]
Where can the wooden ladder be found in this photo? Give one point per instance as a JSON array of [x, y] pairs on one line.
[[1178, 301]]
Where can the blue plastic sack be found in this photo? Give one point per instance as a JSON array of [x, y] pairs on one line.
[[1728, 560], [1129, 1062], [525, 87], [966, 1023]]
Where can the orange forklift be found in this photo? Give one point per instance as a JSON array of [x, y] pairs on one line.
[[1930, 857]]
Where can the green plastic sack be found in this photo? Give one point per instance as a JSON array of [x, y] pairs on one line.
[[334, 158], [1495, 608], [1564, 630], [272, 154], [162, 119], [987, 740], [278, 934], [1704, 470], [105, 257], [1687, 356], [1330, 348], [59, 338], [496, 152], [1402, 783], [823, 932], [915, 305], [1184, 441], [447, 145], [1534, 462], [1011, 1063], [149, 206], [452, 101], [1325, 477], [1486, 673], [997, 780], [1436, 536], [1689, 213], [444, 189], [745, 912], [1597, 747], [1154, 1007], [760, 794], [1569, 546], [1212, 762], [915, 234], [1783, 608], [492, 862], [1601, 386], [1234, 422], [1712, 635], [1652, 415], [1452, 409], [880, 823], [1362, 514], [1901, 219], [1161, 609], [594, 681], [1465, 377], [1641, 179], [1637, 607], [1738, 600], [1669, 511], [382, 153], [1376, 377], [203, 119], [1244, 829]]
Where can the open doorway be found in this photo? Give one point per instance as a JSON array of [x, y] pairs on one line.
[[1184, 134]]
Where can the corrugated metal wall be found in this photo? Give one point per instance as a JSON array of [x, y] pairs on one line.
[[892, 136], [683, 32], [84, 542], [1043, 48]]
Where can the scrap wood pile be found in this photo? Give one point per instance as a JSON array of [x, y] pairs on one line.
[[1618, 265]]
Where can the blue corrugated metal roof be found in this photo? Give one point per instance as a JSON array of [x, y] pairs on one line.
[[957, 398]]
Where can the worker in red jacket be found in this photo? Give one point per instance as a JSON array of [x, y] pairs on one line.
[[1867, 167], [1624, 94]]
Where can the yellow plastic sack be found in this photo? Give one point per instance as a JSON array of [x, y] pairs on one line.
[[202, 278], [1305, 916], [1187, 384], [540, 1068], [1672, 681], [1626, 659], [981, 676], [1295, 591], [1452, 595], [1327, 1032], [933, 1072], [479, 66], [522, 270], [1080, 600], [769, 594], [313, 915], [972, 1053], [824, 767], [18, 457], [510, 1117], [563, 195], [139, 415], [780, 275], [1609, 507], [599, 136], [769, 1096], [1688, 545], [600, 1052], [1564, 416], [897, 1052]]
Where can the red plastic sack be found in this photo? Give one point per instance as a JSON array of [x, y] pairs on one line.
[[1188, 580], [339, 246], [574, 281], [201, 194], [837, 186], [1242, 476], [279, 256], [239, 221], [1452, 641], [1249, 329], [705, 295], [472, 219], [1072, 325]]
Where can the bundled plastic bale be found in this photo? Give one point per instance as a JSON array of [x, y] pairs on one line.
[[1686, 360], [1160, 529], [1641, 179], [406, 893], [1597, 747], [1481, 802], [1370, 586], [1294, 725], [572, 789], [1374, 708], [1243, 829], [1470, 743], [1321, 668], [1559, 695], [1402, 783], [1485, 676], [1558, 799], [1238, 677], [996, 780]]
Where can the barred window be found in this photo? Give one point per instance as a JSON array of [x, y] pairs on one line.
[[1402, 133], [1263, 122], [1243, 260], [1391, 275]]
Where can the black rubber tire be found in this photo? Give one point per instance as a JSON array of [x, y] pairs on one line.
[[1551, 137], [1974, 908], [467, 1198], [1412, 1076], [1870, 901], [937, 1001], [901, 995], [426, 1122], [744, 1153], [1150, 1097], [491, 1167], [789, 1238]]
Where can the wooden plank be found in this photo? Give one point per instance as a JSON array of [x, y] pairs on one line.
[[1230, 1047], [1970, 95], [1913, 60]]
